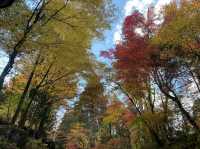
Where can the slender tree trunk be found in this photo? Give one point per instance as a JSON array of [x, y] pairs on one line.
[[23, 96], [160, 82], [186, 114], [8, 67], [30, 23], [11, 60], [18, 45], [24, 115], [40, 131], [195, 76], [8, 111], [149, 98], [110, 130], [159, 142], [182, 109]]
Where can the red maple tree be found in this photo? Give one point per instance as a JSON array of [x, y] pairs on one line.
[[133, 55]]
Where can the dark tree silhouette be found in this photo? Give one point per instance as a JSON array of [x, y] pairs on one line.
[[6, 3]]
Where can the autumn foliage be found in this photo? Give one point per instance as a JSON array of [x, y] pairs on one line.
[[133, 55], [54, 94]]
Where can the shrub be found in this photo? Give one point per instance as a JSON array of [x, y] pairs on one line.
[[35, 144], [5, 144]]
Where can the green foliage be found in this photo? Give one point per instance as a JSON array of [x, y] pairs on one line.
[[87, 112], [7, 108], [5, 144], [92, 104], [35, 144]]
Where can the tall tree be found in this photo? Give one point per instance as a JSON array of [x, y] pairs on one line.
[[142, 66], [33, 26], [88, 110], [6, 3]]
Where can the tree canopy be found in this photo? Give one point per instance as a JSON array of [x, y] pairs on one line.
[[54, 94]]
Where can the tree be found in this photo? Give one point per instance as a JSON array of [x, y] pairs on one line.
[[62, 49], [133, 61], [179, 39], [179, 48], [55, 79], [6, 3], [87, 110], [32, 30], [146, 71], [78, 137], [117, 120], [92, 104]]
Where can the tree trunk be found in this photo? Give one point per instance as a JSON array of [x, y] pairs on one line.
[[181, 108], [8, 67], [41, 131], [159, 81], [159, 142], [24, 115], [11, 61], [186, 114], [18, 45], [25, 91]]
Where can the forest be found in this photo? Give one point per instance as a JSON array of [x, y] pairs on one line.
[[144, 93]]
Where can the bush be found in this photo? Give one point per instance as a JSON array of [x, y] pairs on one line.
[[35, 144], [5, 144]]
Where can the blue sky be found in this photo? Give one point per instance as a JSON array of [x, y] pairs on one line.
[[107, 42]]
